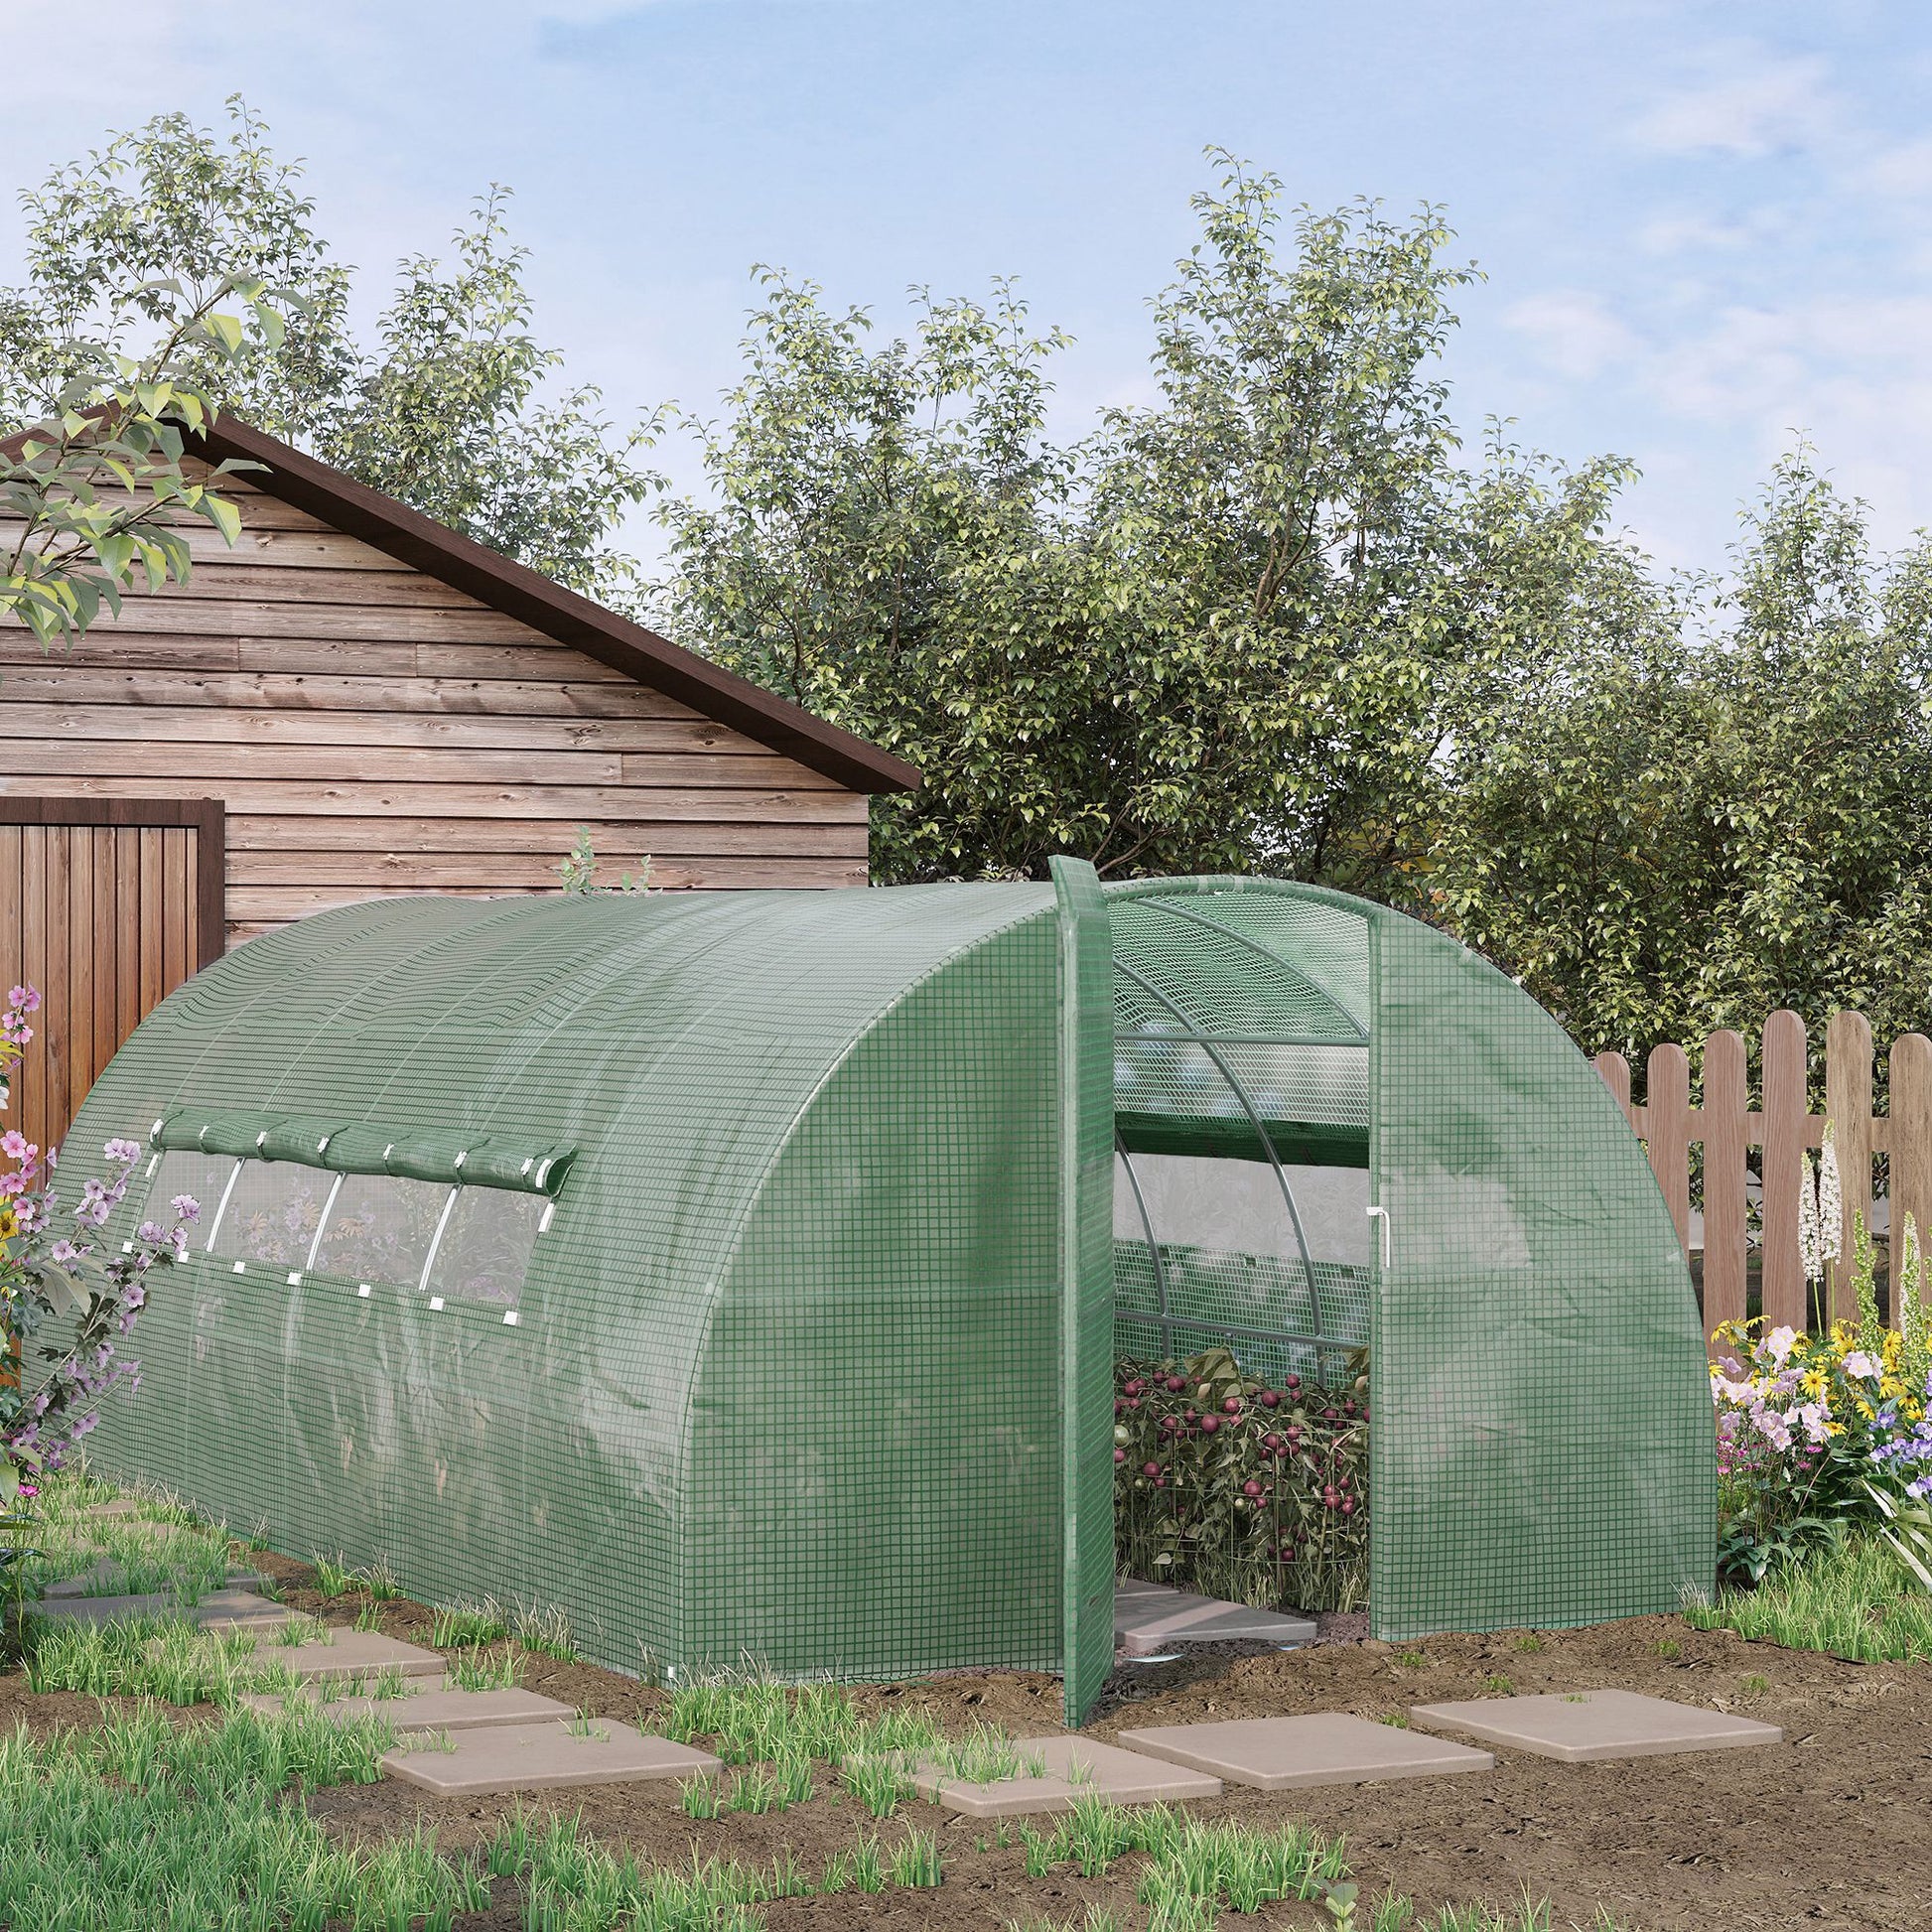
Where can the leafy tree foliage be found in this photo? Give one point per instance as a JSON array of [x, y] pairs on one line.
[[454, 408]]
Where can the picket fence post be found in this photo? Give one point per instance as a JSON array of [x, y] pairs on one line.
[[1727, 1136], [1783, 1133], [1847, 1107], [1910, 1140]]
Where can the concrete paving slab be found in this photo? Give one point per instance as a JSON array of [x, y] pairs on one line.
[[423, 1707], [107, 1570], [538, 1757], [1150, 1617], [1582, 1726], [353, 1653], [1070, 1768], [222, 1610], [1289, 1753]]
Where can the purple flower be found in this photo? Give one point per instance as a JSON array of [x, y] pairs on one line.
[[187, 1207], [65, 1251], [24, 998], [124, 1151], [148, 1231]]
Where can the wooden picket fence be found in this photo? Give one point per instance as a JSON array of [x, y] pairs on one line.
[[1783, 1127]]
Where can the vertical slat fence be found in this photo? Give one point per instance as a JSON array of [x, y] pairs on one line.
[[1782, 1129]]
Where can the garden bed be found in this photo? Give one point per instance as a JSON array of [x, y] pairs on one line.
[[1825, 1830]]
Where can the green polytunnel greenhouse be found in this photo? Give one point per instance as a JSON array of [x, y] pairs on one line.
[[744, 1273]]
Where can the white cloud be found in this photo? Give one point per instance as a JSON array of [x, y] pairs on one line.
[[1574, 333], [1903, 173], [1776, 106]]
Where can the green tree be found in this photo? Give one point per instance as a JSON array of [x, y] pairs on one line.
[[452, 408]]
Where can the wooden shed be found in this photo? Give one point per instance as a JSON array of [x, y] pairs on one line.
[[353, 702]]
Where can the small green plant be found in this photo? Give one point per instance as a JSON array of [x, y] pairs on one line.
[[1669, 1649], [480, 1670], [988, 1755], [1395, 1721], [370, 1616], [880, 1784], [1756, 1686], [1497, 1685], [856, 1869], [507, 1852], [701, 1798], [577, 870], [381, 1581], [467, 1624], [333, 1575], [583, 1725], [1529, 1644], [545, 1628], [1411, 1659], [914, 1860]]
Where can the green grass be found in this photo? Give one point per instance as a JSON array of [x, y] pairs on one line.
[[141, 1825], [334, 1577], [545, 1628], [857, 1867], [1853, 1601], [986, 1756], [880, 1784], [914, 1860], [152, 1657], [467, 1624], [480, 1670]]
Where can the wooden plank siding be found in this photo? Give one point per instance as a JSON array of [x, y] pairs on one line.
[[372, 730], [106, 908]]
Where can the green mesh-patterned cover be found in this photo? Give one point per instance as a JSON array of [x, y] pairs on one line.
[[822, 1324], [1542, 1446], [1552, 1458], [788, 1380]]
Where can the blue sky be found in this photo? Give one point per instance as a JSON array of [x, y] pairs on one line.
[[1704, 226]]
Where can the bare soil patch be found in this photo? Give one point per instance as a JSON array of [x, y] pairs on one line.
[[1834, 1828]]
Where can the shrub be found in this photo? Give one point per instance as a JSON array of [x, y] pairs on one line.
[[1227, 1485]]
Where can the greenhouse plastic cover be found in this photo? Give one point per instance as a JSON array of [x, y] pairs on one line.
[[812, 1369]]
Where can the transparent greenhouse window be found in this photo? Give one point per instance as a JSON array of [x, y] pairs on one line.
[[272, 1213], [486, 1246], [1228, 1206], [187, 1171], [380, 1229]]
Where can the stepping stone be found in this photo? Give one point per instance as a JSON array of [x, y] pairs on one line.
[[423, 1709], [352, 1653], [107, 1570], [1072, 1767], [538, 1757], [1151, 1617], [1288, 1754], [1588, 1724], [221, 1610]]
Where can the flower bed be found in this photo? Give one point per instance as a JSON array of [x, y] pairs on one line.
[[1820, 1435], [1252, 1493]]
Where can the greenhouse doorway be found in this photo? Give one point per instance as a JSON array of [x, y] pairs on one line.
[[1244, 1242]]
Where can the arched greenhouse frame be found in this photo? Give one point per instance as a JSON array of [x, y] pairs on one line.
[[744, 1273]]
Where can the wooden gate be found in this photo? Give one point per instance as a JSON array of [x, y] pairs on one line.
[[107, 905]]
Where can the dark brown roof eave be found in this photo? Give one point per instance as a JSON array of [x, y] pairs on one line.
[[426, 545]]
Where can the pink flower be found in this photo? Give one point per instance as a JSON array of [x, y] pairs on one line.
[[16, 1146], [187, 1207], [125, 1153], [24, 998]]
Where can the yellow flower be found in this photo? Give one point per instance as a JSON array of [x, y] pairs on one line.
[[9, 1223]]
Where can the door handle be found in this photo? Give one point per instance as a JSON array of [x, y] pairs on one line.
[[1382, 1214]]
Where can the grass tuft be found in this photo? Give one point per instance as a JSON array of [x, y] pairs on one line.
[[1851, 1602]]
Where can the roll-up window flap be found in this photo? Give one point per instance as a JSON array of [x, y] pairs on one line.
[[301, 1137], [534, 1169], [363, 1146], [214, 1130], [358, 1149]]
